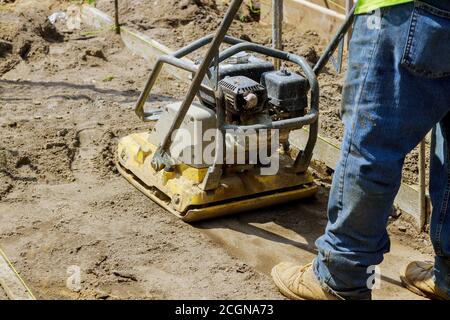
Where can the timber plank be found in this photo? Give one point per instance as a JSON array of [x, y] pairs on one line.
[[306, 15], [11, 283], [329, 153]]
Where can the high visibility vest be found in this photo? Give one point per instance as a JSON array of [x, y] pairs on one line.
[[365, 6]]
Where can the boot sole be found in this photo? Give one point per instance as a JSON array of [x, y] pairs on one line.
[[408, 285], [282, 288], [412, 288]]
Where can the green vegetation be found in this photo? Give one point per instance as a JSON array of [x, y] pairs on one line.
[[109, 78]]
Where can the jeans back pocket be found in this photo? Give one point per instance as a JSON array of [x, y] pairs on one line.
[[427, 51]]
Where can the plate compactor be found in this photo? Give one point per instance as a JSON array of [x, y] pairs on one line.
[[225, 148]]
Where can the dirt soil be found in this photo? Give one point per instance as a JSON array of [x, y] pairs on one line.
[[64, 101]]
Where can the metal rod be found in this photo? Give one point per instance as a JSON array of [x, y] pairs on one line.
[[349, 4], [277, 29], [116, 16], [158, 160], [175, 60], [203, 42], [335, 42], [196, 82], [422, 186]]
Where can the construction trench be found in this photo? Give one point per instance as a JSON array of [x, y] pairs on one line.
[[67, 96]]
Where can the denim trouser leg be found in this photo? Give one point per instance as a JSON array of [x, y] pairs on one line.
[[397, 89], [440, 194]]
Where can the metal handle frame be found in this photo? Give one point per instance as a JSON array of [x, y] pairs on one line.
[[239, 46], [161, 158], [176, 59]]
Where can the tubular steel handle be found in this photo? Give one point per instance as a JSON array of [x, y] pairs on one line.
[[176, 60], [160, 158], [331, 48]]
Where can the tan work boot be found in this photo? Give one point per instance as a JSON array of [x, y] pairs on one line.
[[417, 277], [299, 283]]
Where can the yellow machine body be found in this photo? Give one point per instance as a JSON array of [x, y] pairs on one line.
[[178, 190]]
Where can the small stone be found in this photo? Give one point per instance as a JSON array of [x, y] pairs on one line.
[[62, 132], [95, 53], [5, 47], [124, 275], [102, 295]]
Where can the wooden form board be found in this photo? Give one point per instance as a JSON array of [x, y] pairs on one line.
[[325, 151], [136, 42], [328, 153], [320, 16], [150, 50], [335, 5], [10, 282]]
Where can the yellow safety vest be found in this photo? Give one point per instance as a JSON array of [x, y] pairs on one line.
[[365, 6]]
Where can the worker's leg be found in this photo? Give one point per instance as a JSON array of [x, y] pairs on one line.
[[440, 194], [394, 94]]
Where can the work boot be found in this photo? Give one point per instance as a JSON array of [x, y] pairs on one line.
[[300, 283], [418, 278]]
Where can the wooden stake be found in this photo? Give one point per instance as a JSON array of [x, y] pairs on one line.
[[116, 16]]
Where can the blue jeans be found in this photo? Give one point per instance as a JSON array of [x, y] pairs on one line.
[[397, 89]]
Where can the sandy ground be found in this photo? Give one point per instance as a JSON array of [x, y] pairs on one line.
[[62, 108]]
